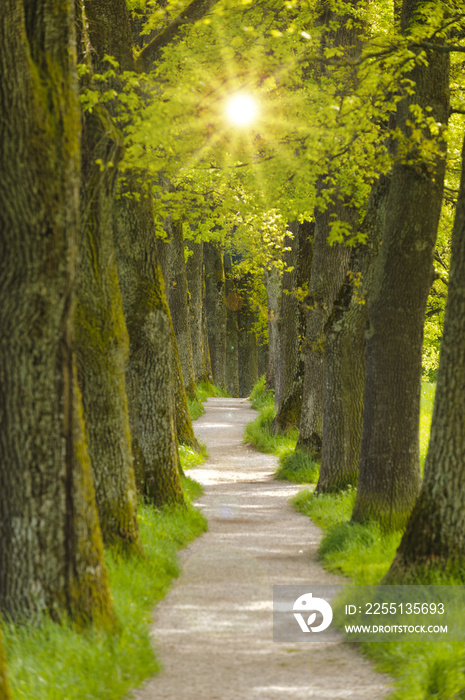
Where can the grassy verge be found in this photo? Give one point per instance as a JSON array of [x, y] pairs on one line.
[[204, 390], [364, 553], [54, 662], [294, 466]]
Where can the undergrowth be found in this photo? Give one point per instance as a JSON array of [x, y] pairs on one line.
[[55, 662], [364, 554], [203, 391], [297, 467]]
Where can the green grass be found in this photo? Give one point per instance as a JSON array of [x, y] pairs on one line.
[[363, 553], [203, 391], [297, 467], [54, 662], [426, 413], [190, 457]]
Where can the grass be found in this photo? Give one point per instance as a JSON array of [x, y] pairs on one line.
[[203, 391], [426, 413], [297, 467], [363, 553], [54, 662], [190, 457]]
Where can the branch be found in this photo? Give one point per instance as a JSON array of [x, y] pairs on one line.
[[442, 48], [193, 12]]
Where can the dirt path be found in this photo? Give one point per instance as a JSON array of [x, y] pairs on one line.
[[213, 632]]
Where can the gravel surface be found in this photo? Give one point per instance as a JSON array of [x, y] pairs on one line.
[[213, 632]]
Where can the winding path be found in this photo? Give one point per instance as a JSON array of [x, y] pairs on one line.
[[213, 632]]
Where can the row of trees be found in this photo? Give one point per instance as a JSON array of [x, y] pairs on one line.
[[120, 179]]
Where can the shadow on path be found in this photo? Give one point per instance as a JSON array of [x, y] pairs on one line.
[[213, 632]]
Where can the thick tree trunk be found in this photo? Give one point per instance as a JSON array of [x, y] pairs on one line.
[[329, 269], [291, 328], [150, 377], [232, 353], [233, 301], [435, 534], [389, 473], [179, 307], [101, 337], [51, 554], [274, 288], [248, 360], [344, 381], [206, 346], [195, 282], [216, 310], [5, 692], [262, 358], [102, 342]]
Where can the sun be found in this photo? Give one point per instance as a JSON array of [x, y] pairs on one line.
[[241, 109]]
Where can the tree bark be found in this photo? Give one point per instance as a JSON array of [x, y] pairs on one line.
[[344, 381], [102, 342], [329, 269], [274, 289], [292, 326], [179, 307], [233, 302], [248, 360], [216, 310], [206, 346], [51, 554], [389, 473], [435, 533], [195, 282], [150, 378], [101, 338]]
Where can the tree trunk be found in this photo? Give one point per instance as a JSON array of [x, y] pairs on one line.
[[344, 382], [179, 307], [389, 476], [291, 328], [434, 537], [262, 358], [150, 379], [233, 302], [274, 289], [216, 310], [248, 360], [329, 269], [206, 346], [101, 337], [102, 343], [195, 282], [51, 554]]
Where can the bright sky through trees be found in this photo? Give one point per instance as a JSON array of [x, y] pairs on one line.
[[242, 109]]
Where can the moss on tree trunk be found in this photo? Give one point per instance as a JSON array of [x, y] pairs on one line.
[[50, 541], [290, 366], [150, 378], [195, 282], [389, 470], [435, 535], [216, 310], [344, 381], [179, 306]]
